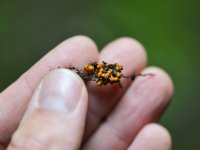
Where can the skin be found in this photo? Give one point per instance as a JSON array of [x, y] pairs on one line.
[[106, 118]]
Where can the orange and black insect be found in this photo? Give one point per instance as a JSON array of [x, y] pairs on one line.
[[104, 73]]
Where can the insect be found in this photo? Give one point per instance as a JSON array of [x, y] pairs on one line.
[[104, 73]]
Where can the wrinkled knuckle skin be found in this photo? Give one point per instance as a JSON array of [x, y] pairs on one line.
[[30, 142]]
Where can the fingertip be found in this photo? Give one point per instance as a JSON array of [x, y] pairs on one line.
[[126, 49], [152, 136], [129, 41], [160, 132], [82, 41], [139, 49], [163, 80]]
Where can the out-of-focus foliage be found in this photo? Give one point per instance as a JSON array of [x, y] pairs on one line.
[[168, 29]]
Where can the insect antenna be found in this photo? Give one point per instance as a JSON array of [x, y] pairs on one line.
[[50, 68], [134, 75]]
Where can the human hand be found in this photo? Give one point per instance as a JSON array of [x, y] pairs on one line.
[[52, 109]]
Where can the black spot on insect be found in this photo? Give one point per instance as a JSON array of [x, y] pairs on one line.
[[105, 69], [114, 72], [133, 76], [111, 66], [93, 77], [94, 64]]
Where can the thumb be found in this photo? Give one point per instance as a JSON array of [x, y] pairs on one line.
[[56, 115]]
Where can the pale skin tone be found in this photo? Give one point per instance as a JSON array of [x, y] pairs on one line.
[[103, 118]]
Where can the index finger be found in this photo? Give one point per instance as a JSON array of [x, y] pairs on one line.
[[14, 100]]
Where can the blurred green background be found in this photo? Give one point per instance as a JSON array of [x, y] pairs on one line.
[[169, 30]]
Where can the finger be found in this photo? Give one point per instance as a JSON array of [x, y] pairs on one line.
[[14, 100], [152, 137], [56, 114], [143, 102], [132, 56]]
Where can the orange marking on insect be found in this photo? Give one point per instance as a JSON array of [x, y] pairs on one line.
[[104, 73]]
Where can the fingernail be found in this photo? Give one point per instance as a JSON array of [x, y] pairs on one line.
[[60, 90]]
